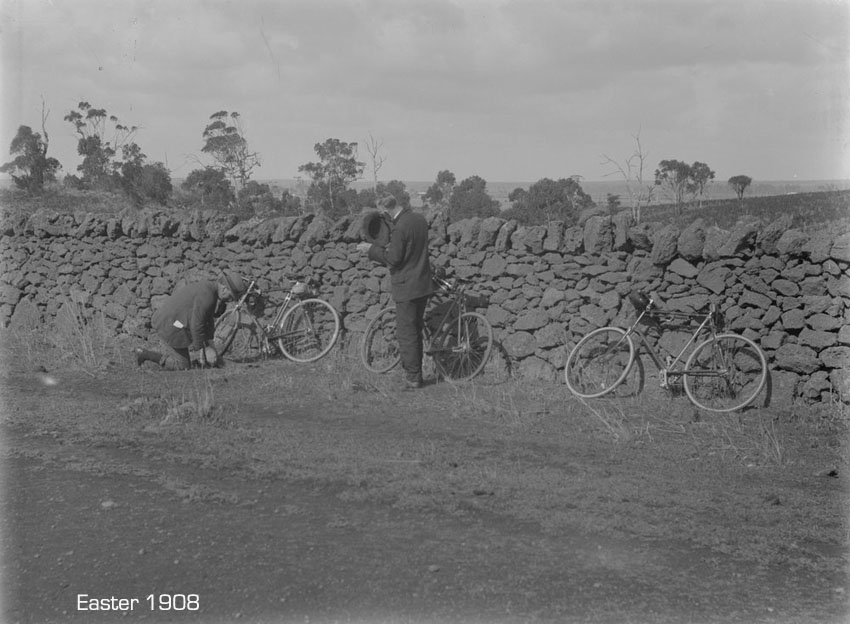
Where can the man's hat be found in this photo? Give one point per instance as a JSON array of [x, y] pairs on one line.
[[235, 283], [375, 228]]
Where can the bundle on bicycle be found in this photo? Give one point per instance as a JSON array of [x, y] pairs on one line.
[[303, 328], [457, 338], [719, 372]]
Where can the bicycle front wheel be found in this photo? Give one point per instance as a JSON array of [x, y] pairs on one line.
[[308, 330], [461, 348], [725, 373], [379, 347], [234, 336], [599, 362]]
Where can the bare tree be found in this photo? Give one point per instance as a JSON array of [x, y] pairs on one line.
[[373, 146], [632, 172]]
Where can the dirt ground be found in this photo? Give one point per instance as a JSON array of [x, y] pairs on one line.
[[276, 492]]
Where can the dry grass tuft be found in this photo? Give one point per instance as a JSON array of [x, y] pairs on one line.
[[82, 334]]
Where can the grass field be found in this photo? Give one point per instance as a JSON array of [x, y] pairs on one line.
[[754, 485]]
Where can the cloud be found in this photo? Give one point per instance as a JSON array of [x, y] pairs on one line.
[[442, 81]]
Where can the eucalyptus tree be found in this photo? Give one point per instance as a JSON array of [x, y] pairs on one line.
[[332, 176], [225, 143]]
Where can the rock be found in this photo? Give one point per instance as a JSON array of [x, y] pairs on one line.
[[782, 388], [817, 339], [598, 235], [713, 277], [841, 248], [692, 241], [785, 287], [623, 221], [792, 242], [488, 231], [769, 236], [640, 236], [664, 245], [741, 239], [683, 267], [797, 358], [519, 345]]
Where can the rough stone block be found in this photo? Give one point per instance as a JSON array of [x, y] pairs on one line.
[[598, 235], [797, 358], [682, 267], [817, 339], [664, 246], [841, 248]]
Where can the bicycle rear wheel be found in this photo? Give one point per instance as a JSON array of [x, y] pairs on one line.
[[379, 347], [725, 373], [461, 348], [234, 337], [599, 362], [308, 330]]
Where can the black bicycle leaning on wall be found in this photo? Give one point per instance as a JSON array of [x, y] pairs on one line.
[[723, 373], [457, 339], [304, 327]]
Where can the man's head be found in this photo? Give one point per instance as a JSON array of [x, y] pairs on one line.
[[390, 205]]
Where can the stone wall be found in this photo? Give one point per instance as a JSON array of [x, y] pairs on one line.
[[547, 285]]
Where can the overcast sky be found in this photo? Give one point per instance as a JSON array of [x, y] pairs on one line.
[[506, 90]]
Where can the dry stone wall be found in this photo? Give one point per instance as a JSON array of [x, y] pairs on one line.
[[547, 285]]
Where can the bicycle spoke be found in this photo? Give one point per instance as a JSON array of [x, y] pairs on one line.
[[461, 357], [308, 330], [725, 374], [599, 362]]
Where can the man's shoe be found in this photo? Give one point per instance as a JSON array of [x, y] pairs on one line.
[[143, 355], [412, 384]]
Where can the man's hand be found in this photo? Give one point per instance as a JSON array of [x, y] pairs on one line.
[[364, 246], [210, 356]]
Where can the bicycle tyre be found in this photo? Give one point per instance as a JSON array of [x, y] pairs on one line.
[[226, 327], [235, 338], [379, 347], [744, 373], [460, 358], [308, 330], [599, 362]]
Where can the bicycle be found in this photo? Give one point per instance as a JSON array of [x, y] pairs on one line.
[[458, 340], [304, 328], [723, 373]]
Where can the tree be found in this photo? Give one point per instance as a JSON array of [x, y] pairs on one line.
[[739, 184], [155, 182], [632, 172], [337, 168], [470, 199], [224, 141], [211, 187], [439, 194], [368, 198], [701, 175], [97, 149], [674, 176], [31, 167], [548, 200], [374, 146]]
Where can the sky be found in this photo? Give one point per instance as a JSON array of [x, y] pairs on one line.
[[513, 90]]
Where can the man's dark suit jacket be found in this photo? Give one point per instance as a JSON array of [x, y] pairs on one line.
[[406, 255]]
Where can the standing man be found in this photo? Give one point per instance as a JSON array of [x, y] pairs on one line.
[[406, 255], [186, 322]]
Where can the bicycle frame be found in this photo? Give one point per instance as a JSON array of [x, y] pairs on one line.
[[457, 307], [667, 366], [264, 331]]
